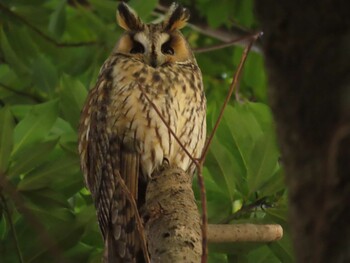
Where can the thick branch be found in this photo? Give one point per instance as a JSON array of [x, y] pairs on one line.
[[172, 221], [244, 233]]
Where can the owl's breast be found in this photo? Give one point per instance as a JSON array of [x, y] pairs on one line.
[[178, 96]]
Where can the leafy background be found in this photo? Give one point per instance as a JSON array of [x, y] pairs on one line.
[[50, 55]]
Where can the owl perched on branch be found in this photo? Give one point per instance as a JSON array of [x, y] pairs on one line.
[[122, 137]]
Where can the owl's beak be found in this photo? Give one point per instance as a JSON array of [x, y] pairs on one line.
[[153, 61]]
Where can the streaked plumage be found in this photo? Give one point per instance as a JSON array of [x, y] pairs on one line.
[[120, 134]]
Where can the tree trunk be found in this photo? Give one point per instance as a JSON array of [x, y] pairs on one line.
[[307, 49]]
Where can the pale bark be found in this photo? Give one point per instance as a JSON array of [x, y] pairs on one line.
[[244, 233], [172, 221]]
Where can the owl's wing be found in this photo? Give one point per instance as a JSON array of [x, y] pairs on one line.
[[105, 161]]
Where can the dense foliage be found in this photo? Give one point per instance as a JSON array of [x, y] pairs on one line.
[[50, 55]]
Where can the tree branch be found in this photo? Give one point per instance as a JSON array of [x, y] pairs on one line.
[[244, 233], [173, 225], [172, 220]]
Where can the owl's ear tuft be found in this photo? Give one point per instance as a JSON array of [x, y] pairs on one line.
[[128, 19], [176, 17]]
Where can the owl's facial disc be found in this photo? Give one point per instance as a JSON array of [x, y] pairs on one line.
[[155, 49]]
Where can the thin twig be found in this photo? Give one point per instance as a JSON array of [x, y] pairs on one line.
[[12, 227], [222, 45], [205, 150], [227, 99], [42, 34]]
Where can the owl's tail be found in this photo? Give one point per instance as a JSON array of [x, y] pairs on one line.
[[110, 251]]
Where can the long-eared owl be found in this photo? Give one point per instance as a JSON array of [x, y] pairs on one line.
[[121, 136]]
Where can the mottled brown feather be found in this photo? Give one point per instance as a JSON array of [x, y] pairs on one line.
[[122, 140]]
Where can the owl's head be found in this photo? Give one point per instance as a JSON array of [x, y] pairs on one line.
[[154, 44]]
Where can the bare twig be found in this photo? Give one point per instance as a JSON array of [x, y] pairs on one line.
[[227, 99], [222, 45], [42, 34], [12, 227]]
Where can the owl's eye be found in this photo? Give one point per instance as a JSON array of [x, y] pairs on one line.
[[167, 49], [137, 48]]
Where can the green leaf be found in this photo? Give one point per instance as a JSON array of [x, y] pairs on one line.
[[243, 128], [219, 204], [143, 8], [6, 137], [56, 172], [262, 255], [283, 248], [36, 125], [58, 19], [254, 75], [244, 12], [22, 44], [31, 2], [30, 157], [277, 214], [3, 226], [262, 163], [80, 253], [223, 166], [216, 13], [44, 74], [10, 55], [107, 7], [247, 129], [274, 184], [72, 98], [48, 200]]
